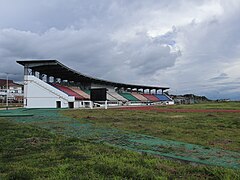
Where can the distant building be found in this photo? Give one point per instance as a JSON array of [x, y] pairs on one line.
[[15, 93]]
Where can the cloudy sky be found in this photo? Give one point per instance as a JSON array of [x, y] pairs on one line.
[[191, 46]]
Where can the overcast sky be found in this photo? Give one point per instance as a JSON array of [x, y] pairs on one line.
[[192, 46]]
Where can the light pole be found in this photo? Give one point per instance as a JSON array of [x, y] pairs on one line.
[[7, 93]]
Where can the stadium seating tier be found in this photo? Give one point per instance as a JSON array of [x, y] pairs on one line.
[[80, 92], [68, 91], [129, 96], [139, 96], [162, 97], [151, 97], [117, 96]]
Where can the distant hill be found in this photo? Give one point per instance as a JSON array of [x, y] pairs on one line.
[[189, 99]]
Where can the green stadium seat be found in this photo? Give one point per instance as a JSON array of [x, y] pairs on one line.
[[129, 96]]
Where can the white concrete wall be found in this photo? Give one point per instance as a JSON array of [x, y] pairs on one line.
[[39, 94], [170, 102]]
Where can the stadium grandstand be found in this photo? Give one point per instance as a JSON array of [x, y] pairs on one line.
[[50, 84]]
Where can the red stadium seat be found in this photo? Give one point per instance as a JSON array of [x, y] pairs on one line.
[[151, 97], [68, 91]]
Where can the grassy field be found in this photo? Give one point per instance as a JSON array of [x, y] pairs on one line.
[[220, 130], [30, 152], [210, 105]]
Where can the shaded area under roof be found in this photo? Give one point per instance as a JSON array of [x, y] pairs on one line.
[[58, 70]]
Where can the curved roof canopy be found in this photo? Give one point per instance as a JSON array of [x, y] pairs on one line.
[[58, 70]]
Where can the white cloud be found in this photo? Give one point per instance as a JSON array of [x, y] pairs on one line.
[[209, 49]]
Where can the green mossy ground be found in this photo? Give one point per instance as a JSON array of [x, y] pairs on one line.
[[30, 152]]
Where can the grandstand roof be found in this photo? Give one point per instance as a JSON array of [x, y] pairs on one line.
[[58, 70]]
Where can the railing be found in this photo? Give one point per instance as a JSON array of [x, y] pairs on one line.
[[49, 88], [168, 97]]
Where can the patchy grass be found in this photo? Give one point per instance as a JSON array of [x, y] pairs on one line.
[[210, 105], [220, 130], [27, 152]]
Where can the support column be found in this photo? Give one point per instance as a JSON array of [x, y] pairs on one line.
[[105, 104], [25, 86], [25, 70], [47, 78], [33, 73], [40, 75], [91, 104]]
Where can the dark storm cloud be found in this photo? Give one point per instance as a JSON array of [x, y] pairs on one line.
[[148, 55], [89, 51]]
